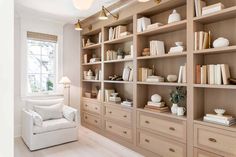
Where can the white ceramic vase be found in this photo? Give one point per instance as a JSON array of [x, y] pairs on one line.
[[221, 42], [174, 108], [174, 17]]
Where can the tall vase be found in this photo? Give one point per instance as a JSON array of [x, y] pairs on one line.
[[174, 108]]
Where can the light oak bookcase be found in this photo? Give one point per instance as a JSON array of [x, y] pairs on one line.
[[162, 134]]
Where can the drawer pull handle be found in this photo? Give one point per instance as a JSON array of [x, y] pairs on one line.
[[146, 140], [96, 108], [125, 116], [86, 105], [171, 128], [125, 132], [212, 139], [95, 121], [110, 112], [147, 122], [171, 150], [110, 126], [85, 117]]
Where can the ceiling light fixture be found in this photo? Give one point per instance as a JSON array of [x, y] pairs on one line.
[[83, 4], [78, 26], [103, 14]]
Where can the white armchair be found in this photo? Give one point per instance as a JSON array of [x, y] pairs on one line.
[[51, 132]]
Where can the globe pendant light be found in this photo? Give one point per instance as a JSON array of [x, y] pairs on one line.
[[83, 4]]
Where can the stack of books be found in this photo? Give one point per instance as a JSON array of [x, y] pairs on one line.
[[212, 8], [108, 94], [156, 107], [199, 4], [182, 74], [111, 55], [143, 23], [225, 120], [117, 32], [213, 74], [157, 48], [202, 40], [143, 74]]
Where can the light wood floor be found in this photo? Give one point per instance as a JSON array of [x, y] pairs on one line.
[[90, 144]]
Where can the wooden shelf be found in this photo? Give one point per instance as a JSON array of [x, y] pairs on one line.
[[124, 82], [95, 63], [218, 16], [98, 81], [118, 60], [166, 28], [162, 83], [164, 114], [163, 56], [94, 46], [120, 40], [228, 49], [215, 86], [229, 128]]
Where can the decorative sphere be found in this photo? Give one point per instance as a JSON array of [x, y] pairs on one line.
[[156, 98]]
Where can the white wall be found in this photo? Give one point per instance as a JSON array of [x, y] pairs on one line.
[[71, 61], [6, 78], [69, 50]]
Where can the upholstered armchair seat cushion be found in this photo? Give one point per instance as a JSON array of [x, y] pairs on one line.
[[53, 125]]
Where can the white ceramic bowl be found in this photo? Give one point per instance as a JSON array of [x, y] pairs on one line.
[[219, 112]]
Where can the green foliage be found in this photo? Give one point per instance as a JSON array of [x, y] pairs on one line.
[[49, 85], [178, 96]]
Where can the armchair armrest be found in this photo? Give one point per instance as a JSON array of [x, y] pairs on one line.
[[66, 113], [27, 126]]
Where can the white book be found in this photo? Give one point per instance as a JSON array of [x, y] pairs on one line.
[[196, 7], [159, 104], [212, 8], [212, 74], [225, 73], [219, 121], [131, 75], [224, 117], [184, 77], [160, 48], [180, 74], [139, 25], [218, 76], [145, 22]]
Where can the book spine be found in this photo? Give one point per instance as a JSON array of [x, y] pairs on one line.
[[198, 74]]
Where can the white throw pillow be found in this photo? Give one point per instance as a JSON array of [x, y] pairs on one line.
[[49, 112], [38, 120], [69, 113]]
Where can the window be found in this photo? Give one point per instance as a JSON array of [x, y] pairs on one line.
[[41, 63]]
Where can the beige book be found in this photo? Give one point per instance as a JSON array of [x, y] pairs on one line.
[[196, 41], [201, 37], [206, 40], [225, 73]]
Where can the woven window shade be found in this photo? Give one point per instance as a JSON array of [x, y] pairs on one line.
[[41, 37]]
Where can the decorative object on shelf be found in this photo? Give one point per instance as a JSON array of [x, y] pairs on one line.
[[115, 78], [94, 60], [156, 98], [89, 43], [154, 26], [114, 98], [177, 97], [155, 79], [120, 53], [146, 52], [174, 17], [85, 58], [198, 7], [181, 111], [88, 75], [126, 73], [103, 14], [178, 48], [172, 78], [78, 26], [66, 82], [221, 42], [220, 118], [212, 8], [108, 94], [127, 103], [87, 95], [219, 111]]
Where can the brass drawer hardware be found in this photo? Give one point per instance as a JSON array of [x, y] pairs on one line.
[[212, 140]]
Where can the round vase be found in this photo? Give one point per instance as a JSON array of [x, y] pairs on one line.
[[174, 17], [174, 108]]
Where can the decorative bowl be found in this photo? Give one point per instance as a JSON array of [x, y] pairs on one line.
[[172, 78], [156, 98], [221, 42], [220, 112]]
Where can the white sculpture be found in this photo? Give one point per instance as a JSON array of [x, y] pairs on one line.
[[174, 17], [220, 42]]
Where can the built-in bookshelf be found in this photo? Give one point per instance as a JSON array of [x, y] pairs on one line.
[[201, 98]]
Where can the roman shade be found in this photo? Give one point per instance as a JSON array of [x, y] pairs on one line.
[[41, 37]]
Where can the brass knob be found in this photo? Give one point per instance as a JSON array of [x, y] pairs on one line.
[[171, 150], [212, 139], [146, 140], [95, 121], [96, 108], [86, 105], [147, 122], [125, 132], [172, 128], [110, 112], [85, 117], [110, 126], [125, 116]]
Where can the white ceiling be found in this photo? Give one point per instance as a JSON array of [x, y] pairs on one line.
[[61, 10]]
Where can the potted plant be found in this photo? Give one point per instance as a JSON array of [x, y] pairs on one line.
[[177, 97]]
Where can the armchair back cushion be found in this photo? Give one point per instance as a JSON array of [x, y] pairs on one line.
[[30, 103], [49, 112]]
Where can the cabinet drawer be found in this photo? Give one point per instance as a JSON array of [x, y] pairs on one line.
[[215, 139], [92, 120], [119, 130], [118, 114], [201, 153], [173, 128], [91, 106], [161, 146]]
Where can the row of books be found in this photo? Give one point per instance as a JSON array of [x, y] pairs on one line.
[[88, 42], [156, 107], [143, 74], [202, 9], [142, 24], [117, 32], [202, 40], [225, 120], [182, 74], [213, 74], [157, 48], [111, 55]]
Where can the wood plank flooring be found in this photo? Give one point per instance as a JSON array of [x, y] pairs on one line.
[[90, 144]]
